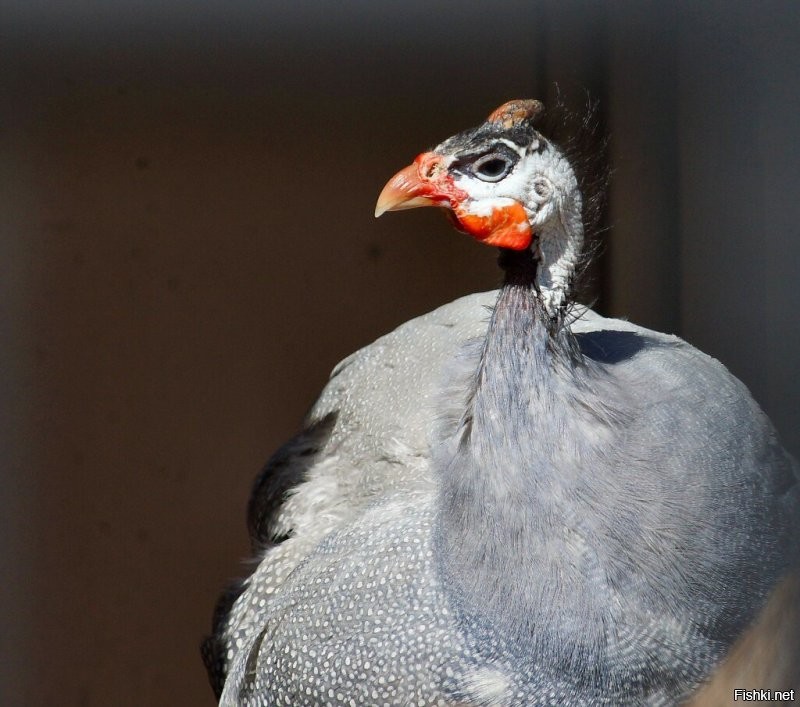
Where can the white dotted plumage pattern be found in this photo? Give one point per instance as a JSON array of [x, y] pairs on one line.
[[365, 622], [350, 609]]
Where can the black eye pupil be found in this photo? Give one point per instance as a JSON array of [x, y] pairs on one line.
[[493, 168]]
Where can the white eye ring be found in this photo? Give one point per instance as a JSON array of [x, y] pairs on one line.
[[492, 167]]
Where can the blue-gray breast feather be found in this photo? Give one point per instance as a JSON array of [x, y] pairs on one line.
[[349, 604]]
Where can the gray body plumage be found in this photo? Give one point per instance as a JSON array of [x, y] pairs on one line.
[[507, 502], [614, 566]]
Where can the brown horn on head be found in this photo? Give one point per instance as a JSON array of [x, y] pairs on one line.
[[517, 111]]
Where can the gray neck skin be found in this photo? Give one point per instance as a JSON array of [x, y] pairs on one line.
[[511, 526]]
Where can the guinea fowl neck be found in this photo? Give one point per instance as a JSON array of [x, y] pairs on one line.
[[527, 314], [496, 494]]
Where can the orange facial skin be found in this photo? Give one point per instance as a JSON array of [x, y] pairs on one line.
[[505, 227], [426, 182]]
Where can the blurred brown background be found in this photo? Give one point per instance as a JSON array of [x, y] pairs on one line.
[[187, 248]]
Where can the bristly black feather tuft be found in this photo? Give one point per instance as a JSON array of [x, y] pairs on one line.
[[581, 136]]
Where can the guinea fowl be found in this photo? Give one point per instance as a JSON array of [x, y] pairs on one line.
[[548, 508]]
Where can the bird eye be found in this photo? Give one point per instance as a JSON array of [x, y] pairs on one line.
[[491, 168]]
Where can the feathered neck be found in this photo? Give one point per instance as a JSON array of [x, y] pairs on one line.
[[558, 246], [528, 352], [495, 494], [524, 274]]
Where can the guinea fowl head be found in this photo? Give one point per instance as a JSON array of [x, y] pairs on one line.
[[506, 185]]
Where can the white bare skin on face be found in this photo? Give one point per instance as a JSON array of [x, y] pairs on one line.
[[543, 182]]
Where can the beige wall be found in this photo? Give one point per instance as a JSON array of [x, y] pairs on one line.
[[187, 248]]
